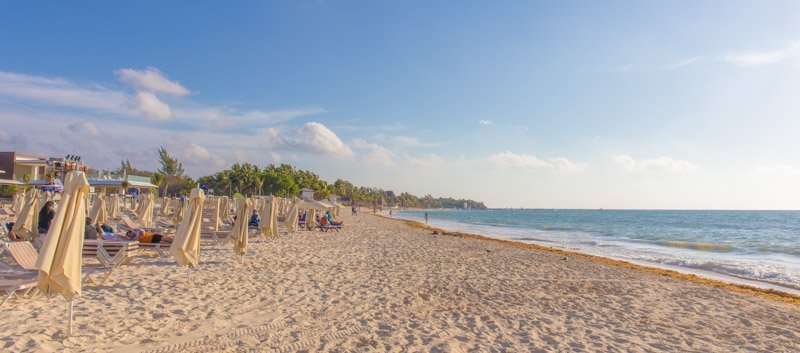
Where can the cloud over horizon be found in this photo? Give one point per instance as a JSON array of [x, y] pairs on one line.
[[510, 160], [654, 165]]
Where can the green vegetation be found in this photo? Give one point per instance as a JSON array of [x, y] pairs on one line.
[[283, 180], [286, 181]]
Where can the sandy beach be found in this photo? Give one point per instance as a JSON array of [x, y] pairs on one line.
[[381, 285]]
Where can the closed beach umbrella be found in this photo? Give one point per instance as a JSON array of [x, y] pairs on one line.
[[239, 231], [140, 203], [26, 224], [113, 206], [165, 203], [291, 219], [146, 216], [225, 209], [19, 200], [59, 261], [186, 245], [269, 217], [180, 209], [98, 213]]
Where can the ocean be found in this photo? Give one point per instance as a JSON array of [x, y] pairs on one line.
[[760, 248]]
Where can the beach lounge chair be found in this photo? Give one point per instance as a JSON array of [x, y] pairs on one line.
[[18, 287], [161, 249], [24, 256], [218, 237], [129, 224], [326, 227], [110, 253], [7, 214]]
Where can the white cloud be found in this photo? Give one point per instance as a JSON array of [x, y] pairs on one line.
[[528, 161], [192, 154], [225, 118], [564, 165], [429, 160], [485, 122], [153, 80], [315, 138], [408, 141], [151, 107], [760, 58], [85, 126], [376, 154], [59, 92], [656, 164]]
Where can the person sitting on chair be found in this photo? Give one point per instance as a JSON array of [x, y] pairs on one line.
[[10, 230], [330, 219], [255, 220], [90, 231]]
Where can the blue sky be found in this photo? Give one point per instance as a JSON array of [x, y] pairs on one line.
[[623, 104]]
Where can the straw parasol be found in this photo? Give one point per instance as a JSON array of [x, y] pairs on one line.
[[59, 261], [27, 225], [239, 231], [186, 245]]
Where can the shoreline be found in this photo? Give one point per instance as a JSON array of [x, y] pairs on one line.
[[772, 294]]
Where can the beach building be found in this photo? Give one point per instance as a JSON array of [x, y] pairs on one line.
[[16, 165], [306, 194], [112, 182]]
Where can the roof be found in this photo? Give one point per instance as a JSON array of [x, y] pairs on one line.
[[306, 189], [29, 159], [10, 182], [131, 183]]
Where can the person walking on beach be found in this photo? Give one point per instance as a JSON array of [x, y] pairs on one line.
[[426, 217], [354, 210]]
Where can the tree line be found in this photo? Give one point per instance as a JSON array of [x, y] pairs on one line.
[[282, 180]]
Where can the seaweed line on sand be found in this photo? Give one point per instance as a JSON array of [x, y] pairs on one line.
[[740, 288]]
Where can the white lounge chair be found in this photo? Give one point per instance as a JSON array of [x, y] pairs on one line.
[[18, 287]]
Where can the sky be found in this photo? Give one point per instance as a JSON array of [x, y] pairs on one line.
[[565, 104]]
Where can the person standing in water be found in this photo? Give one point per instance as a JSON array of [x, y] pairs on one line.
[[426, 217]]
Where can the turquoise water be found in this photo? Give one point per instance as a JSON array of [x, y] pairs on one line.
[[760, 246]]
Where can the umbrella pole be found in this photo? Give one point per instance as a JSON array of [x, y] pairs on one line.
[[69, 312]]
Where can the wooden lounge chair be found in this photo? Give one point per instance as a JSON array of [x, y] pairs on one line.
[[129, 224], [328, 226], [24, 256], [110, 253], [18, 287], [161, 249], [22, 253]]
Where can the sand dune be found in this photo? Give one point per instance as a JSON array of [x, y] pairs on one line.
[[380, 285]]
